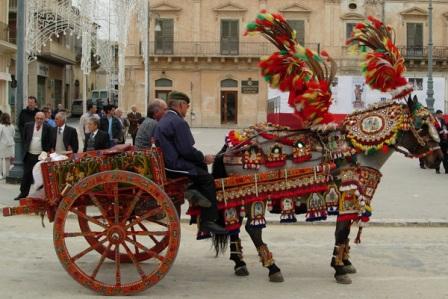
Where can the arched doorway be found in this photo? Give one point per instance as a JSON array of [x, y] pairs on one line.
[[163, 88], [229, 101]]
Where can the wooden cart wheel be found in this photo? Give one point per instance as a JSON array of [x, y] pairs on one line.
[[114, 228], [158, 246]]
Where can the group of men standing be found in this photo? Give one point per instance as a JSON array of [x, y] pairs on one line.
[[39, 136]]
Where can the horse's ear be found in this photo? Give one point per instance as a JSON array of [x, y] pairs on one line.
[[410, 103], [415, 99]]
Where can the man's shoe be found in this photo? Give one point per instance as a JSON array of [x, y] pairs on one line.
[[211, 227], [19, 197], [437, 171], [422, 166], [196, 198]]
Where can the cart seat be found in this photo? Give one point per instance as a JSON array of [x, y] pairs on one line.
[[119, 148]]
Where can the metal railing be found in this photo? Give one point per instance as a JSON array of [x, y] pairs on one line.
[[438, 52], [215, 48]]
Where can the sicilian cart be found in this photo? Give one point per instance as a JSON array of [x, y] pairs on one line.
[[116, 217]]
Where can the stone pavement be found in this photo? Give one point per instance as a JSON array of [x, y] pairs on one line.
[[405, 195], [404, 262]]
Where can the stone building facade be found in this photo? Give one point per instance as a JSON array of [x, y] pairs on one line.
[[200, 49]]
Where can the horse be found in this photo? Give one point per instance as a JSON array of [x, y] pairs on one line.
[[343, 162]]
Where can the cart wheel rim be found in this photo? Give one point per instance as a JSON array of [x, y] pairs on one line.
[[114, 234]]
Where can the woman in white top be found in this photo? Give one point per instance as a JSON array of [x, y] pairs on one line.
[[7, 132]]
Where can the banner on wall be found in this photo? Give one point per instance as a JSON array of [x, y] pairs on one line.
[[350, 93]]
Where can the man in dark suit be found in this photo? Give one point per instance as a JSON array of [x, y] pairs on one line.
[[442, 129], [28, 113], [37, 138], [111, 125], [133, 118], [96, 139], [65, 137]]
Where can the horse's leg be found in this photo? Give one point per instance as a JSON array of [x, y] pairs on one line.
[[236, 255], [255, 233], [337, 261]]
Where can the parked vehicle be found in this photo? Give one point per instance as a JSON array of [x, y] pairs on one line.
[[77, 108]]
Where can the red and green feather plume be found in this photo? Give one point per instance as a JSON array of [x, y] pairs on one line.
[[381, 62], [294, 68]]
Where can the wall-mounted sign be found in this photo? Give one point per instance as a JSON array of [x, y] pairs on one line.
[[249, 86], [43, 70]]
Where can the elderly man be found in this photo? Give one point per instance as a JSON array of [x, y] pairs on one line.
[[133, 118], [181, 158], [156, 110], [37, 138], [91, 112], [124, 125], [66, 139], [96, 139]]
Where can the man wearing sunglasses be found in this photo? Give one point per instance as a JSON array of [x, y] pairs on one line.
[[174, 136]]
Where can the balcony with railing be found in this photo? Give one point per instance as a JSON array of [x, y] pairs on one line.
[[421, 53], [6, 44], [59, 53], [214, 49]]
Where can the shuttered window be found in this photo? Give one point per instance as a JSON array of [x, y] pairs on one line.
[[299, 27], [164, 39], [230, 37]]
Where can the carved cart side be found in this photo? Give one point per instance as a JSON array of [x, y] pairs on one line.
[[116, 223]]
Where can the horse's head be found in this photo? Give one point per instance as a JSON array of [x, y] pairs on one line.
[[422, 139]]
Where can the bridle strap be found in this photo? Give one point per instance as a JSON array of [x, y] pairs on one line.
[[410, 155]]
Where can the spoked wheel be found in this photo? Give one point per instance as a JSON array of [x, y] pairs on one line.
[[143, 243], [159, 243]]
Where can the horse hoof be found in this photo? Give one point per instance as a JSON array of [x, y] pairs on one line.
[[349, 269], [276, 277], [343, 279], [241, 271]]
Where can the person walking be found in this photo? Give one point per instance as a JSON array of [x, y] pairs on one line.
[[37, 138], [7, 132], [134, 116], [66, 138]]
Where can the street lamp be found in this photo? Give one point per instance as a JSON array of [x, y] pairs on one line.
[[430, 90], [16, 173]]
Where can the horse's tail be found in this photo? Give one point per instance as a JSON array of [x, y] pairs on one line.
[[220, 243]]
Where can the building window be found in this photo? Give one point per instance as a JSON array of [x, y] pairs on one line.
[[414, 38], [349, 29], [229, 83], [299, 27], [230, 37], [164, 39], [163, 88], [164, 83]]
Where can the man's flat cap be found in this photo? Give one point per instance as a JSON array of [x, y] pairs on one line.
[[180, 96]]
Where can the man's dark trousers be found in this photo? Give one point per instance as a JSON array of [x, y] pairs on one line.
[[28, 163]]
